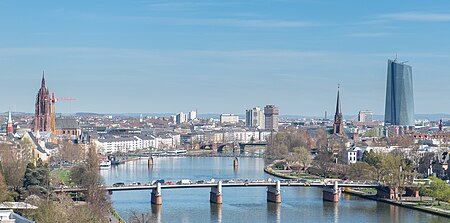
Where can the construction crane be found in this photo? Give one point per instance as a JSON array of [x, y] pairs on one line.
[[54, 100]]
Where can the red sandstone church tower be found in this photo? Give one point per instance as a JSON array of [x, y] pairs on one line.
[[43, 115]]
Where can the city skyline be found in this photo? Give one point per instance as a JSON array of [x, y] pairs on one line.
[[220, 57]]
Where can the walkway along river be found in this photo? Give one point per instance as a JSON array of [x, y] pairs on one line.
[[240, 204]]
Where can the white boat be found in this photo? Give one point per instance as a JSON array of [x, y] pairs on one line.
[[105, 165]]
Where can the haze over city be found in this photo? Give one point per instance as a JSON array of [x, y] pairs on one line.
[[222, 57]]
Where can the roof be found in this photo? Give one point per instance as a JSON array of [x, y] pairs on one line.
[[16, 205], [34, 140], [67, 123]]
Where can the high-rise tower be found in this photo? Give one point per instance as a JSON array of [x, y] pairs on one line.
[[254, 118], [399, 108], [271, 113], [43, 111], [338, 125]]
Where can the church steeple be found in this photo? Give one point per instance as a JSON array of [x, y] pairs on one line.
[[338, 125], [43, 80], [9, 126], [338, 104]]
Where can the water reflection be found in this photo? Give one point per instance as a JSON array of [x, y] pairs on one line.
[[156, 212], [242, 204], [216, 212], [273, 212]]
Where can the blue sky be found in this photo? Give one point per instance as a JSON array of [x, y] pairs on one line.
[[222, 56]]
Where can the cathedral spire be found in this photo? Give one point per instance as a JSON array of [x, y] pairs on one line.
[[43, 80]]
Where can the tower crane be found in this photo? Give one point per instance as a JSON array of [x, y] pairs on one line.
[[54, 100]]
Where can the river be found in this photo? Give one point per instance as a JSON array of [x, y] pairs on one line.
[[239, 204]]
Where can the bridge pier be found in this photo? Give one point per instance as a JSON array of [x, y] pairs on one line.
[[387, 193], [150, 161], [235, 162], [331, 193], [215, 196], [156, 195], [274, 193]]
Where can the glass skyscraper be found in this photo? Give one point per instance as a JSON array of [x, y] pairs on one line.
[[399, 108]]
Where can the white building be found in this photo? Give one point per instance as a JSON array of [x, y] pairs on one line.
[[181, 118], [254, 118], [229, 118], [365, 116], [192, 115]]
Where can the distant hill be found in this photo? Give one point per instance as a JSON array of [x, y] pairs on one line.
[[431, 117]]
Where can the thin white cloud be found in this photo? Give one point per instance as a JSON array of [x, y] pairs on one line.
[[418, 16], [374, 34], [227, 22]]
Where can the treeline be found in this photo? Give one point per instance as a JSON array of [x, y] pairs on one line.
[[21, 180]]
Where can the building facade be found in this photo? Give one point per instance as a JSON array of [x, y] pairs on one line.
[[229, 118], [271, 113], [43, 112], [399, 108], [365, 116], [181, 118], [254, 118]]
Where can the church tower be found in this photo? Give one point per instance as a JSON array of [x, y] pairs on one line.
[[338, 125], [9, 127], [43, 115]]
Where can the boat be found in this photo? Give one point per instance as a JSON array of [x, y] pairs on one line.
[[105, 165], [176, 152]]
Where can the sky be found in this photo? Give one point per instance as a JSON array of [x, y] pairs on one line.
[[148, 56]]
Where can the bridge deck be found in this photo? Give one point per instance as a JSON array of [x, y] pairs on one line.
[[206, 185]]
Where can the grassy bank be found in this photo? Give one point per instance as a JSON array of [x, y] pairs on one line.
[[420, 206]]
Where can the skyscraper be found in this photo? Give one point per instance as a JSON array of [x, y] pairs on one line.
[[338, 125], [254, 118], [271, 113], [399, 108], [43, 112]]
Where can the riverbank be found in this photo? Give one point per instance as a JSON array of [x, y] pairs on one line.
[[287, 174], [406, 204]]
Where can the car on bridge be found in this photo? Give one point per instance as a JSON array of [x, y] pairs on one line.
[[120, 184], [161, 181]]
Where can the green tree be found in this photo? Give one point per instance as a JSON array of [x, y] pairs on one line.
[[438, 189]]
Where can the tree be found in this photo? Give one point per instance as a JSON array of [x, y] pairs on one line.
[[4, 192], [323, 163], [14, 161], [438, 189], [361, 171], [303, 156], [374, 159]]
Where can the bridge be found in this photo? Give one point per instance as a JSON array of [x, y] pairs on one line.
[[331, 190]]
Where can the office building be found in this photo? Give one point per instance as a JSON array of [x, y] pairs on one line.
[[399, 108], [254, 118], [271, 113], [365, 116], [229, 118], [181, 118]]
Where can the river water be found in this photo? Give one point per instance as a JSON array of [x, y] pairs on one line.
[[239, 204]]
